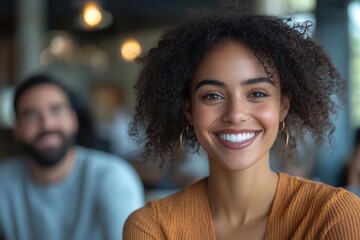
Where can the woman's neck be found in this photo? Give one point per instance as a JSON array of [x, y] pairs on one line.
[[241, 196]]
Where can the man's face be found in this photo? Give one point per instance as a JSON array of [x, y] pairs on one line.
[[46, 124]]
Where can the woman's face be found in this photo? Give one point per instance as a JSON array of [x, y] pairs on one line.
[[235, 108]]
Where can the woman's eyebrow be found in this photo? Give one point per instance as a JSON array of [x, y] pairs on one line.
[[257, 80], [209, 82], [243, 83]]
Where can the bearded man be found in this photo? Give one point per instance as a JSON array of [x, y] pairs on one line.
[[56, 189]]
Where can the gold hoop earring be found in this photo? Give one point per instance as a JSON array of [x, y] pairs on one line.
[[186, 131], [283, 127]]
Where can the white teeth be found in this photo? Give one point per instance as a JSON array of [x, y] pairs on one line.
[[240, 137]]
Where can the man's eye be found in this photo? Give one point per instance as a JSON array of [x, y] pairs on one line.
[[31, 117], [58, 110]]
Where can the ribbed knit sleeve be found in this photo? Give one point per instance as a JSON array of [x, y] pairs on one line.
[[304, 209], [182, 216], [342, 218], [142, 224]]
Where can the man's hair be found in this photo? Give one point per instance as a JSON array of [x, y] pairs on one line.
[[36, 80]]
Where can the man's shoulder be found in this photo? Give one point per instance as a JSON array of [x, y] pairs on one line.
[[98, 156], [110, 175], [103, 162], [11, 168], [10, 164]]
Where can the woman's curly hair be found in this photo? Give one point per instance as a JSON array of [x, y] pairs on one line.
[[281, 45]]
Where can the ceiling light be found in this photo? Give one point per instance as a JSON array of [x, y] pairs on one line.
[[130, 50], [92, 14], [93, 17]]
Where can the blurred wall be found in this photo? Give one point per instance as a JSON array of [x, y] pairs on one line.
[[332, 33]]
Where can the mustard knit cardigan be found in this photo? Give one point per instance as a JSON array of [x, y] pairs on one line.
[[302, 209]]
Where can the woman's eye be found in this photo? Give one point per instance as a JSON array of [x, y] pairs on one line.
[[212, 96], [258, 94]]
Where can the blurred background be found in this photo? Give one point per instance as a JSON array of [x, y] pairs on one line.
[[90, 46]]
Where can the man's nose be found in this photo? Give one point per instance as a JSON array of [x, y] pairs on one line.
[[47, 121]]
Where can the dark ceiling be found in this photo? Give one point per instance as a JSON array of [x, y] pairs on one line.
[[128, 14]]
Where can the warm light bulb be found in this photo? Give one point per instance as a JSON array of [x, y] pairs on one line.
[[92, 14], [130, 49]]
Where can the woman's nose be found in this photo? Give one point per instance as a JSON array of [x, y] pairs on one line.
[[236, 111]]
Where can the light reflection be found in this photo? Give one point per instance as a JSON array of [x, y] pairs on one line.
[[92, 14], [130, 50], [94, 57], [6, 111], [46, 58], [62, 46], [93, 17], [354, 17]]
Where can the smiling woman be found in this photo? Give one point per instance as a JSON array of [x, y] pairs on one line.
[[237, 83], [235, 117]]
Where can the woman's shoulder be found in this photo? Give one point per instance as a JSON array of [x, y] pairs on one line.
[[311, 188], [164, 216], [313, 210], [185, 197], [300, 184], [316, 195]]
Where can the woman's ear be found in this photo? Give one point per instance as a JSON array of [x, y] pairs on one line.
[[285, 106], [187, 111]]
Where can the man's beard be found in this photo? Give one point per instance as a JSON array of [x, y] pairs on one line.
[[51, 156]]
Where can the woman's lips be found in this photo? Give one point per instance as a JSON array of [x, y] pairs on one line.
[[236, 139]]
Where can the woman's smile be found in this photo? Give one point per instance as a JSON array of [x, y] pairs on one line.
[[236, 139]]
